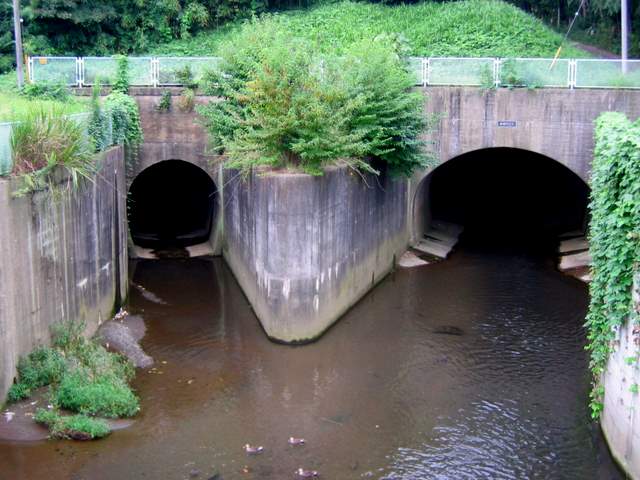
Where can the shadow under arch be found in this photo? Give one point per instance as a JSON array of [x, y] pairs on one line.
[[171, 203], [502, 194]]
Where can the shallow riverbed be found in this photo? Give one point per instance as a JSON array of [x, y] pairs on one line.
[[467, 369]]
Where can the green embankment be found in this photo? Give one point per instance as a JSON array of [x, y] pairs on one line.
[[469, 28], [14, 106]]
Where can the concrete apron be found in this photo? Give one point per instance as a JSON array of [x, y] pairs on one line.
[[621, 415]]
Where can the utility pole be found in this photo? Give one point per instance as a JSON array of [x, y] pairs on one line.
[[624, 21], [17, 28]]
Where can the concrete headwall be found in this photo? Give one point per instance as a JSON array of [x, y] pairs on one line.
[[175, 135], [63, 256], [557, 123], [621, 415], [305, 249]]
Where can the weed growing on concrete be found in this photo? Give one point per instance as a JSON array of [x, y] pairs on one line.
[[45, 140], [288, 105]]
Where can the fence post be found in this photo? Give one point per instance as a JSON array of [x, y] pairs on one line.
[[496, 71], [428, 81], [573, 67], [155, 71], [425, 66], [30, 69]]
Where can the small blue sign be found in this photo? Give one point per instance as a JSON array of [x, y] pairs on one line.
[[507, 123]]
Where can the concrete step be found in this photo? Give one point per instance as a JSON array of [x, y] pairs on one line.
[[410, 259], [433, 247], [571, 234], [448, 228], [574, 260], [573, 245], [442, 237]]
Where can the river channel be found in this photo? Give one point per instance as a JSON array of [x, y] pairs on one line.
[[473, 368]]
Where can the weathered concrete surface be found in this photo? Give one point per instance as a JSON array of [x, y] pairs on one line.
[[305, 249], [175, 135], [575, 260], [63, 256], [621, 415], [557, 123]]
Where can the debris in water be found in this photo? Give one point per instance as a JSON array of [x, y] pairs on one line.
[[448, 330], [302, 473]]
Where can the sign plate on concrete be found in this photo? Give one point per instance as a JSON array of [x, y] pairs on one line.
[[507, 123]]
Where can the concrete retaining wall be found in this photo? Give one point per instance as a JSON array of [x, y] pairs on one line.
[[621, 414], [62, 257], [305, 249]]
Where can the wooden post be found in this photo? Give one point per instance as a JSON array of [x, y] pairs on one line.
[[17, 28]]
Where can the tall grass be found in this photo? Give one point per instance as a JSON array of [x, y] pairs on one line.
[[45, 139], [472, 28]]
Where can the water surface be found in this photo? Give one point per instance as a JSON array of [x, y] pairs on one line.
[[468, 369]]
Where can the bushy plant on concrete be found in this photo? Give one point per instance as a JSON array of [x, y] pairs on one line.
[[614, 237], [286, 105], [85, 381], [46, 139]]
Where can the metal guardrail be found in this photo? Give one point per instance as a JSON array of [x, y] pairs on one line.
[[489, 72]]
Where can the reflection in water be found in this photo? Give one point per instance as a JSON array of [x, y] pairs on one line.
[[471, 368]]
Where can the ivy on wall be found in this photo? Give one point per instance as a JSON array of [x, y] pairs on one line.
[[614, 242]]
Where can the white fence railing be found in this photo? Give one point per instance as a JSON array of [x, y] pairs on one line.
[[488, 72]]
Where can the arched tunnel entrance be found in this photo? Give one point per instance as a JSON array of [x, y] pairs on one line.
[[171, 204], [503, 196]]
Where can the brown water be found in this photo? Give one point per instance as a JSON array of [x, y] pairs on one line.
[[472, 368]]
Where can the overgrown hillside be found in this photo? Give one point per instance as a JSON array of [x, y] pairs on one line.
[[466, 28]]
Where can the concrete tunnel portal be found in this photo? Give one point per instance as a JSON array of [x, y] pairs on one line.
[[503, 196], [171, 204]]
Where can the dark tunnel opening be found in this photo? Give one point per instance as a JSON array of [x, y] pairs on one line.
[[505, 196], [171, 204]]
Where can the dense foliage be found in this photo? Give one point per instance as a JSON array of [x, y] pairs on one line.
[[83, 378], [613, 238], [115, 120], [78, 27], [285, 105], [465, 28]]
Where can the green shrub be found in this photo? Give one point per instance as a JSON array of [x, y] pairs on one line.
[[81, 427], [125, 118], [285, 105], [187, 100], [40, 368], [99, 127], [105, 395], [121, 82], [164, 105], [46, 90], [83, 377], [613, 237]]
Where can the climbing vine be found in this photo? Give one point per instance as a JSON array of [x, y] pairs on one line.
[[615, 249]]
